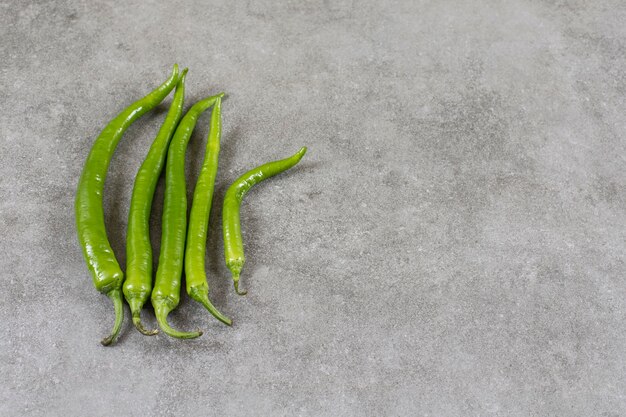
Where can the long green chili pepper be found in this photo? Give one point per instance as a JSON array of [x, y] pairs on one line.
[[138, 283], [166, 292], [195, 249], [105, 270], [233, 243]]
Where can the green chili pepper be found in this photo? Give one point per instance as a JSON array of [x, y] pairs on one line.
[[105, 270], [166, 292], [233, 243], [138, 283], [195, 250]]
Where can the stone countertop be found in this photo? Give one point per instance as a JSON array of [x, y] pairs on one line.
[[453, 243]]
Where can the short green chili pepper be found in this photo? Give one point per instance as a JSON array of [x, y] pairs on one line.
[[166, 292], [105, 270], [138, 283], [233, 242], [195, 249]]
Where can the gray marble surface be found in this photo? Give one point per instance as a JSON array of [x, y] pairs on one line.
[[452, 244]]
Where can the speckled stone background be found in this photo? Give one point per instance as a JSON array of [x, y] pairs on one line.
[[453, 244]]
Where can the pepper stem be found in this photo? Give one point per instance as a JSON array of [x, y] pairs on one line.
[[236, 283], [139, 326], [161, 310], [135, 303], [115, 296], [201, 295]]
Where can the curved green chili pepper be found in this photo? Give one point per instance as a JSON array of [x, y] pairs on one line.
[[233, 243], [138, 283], [105, 270], [195, 249], [166, 292]]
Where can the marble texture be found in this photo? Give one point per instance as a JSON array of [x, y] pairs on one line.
[[453, 243]]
